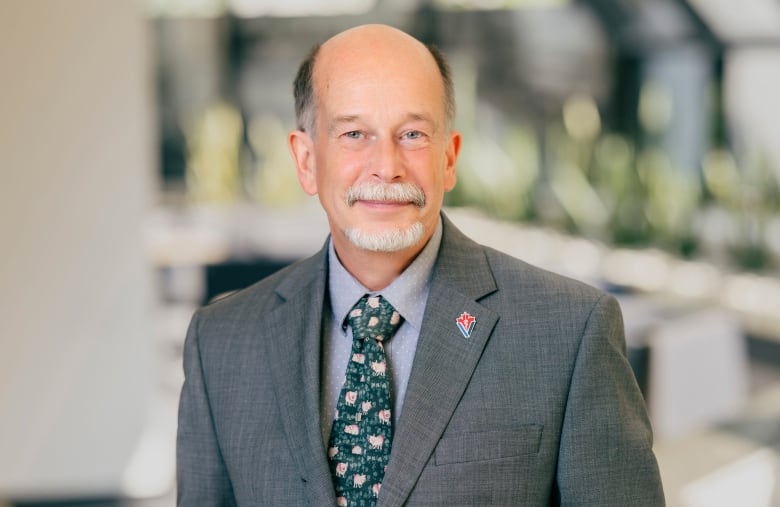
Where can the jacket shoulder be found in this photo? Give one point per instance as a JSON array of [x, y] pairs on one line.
[[515, 275], [268, 292]]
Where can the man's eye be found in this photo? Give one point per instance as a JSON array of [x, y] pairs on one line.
[[413, 134], [353, 134]]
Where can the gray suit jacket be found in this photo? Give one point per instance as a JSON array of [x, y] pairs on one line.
[[537, 407]]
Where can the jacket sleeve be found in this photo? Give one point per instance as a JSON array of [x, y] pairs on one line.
[[605, 456], [201, 476]]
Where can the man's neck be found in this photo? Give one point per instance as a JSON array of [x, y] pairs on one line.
[[375, 270]]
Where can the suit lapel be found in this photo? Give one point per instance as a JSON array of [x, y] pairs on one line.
[[444, 361], [294, 359]]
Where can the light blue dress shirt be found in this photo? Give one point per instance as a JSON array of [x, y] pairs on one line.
[[408, 294]]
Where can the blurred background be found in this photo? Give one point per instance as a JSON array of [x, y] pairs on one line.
[[628, 143]]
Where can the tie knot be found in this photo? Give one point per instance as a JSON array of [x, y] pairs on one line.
[[373, 317]]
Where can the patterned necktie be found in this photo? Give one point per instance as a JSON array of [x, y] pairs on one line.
[[362, 433]]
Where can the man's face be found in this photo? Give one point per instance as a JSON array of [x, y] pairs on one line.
[[380, 123]]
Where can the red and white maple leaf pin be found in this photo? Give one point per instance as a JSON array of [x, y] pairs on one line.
[[466, 324]]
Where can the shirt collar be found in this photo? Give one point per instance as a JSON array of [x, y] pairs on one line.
[[408, 293]]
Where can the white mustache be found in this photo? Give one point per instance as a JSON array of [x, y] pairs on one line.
[[393, 192]]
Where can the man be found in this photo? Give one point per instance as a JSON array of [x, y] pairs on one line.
[[503, 384]]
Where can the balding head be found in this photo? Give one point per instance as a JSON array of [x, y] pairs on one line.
[[378, 48]]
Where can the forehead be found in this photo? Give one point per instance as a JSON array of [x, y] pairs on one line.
[[353, 78]]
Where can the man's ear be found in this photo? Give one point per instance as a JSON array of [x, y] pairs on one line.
[[451, 154], [302, 150]]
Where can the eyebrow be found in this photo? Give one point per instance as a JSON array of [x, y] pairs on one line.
[[340, 120], [420, 116], [350, 118]]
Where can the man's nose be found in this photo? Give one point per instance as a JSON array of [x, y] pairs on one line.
[[387, 160]]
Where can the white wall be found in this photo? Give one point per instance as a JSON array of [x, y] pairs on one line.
[[76, 325], [751, 86]]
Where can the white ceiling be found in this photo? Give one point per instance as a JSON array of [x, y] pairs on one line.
[[741, 20]]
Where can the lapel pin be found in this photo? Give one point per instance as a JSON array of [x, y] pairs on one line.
[[466, 324]]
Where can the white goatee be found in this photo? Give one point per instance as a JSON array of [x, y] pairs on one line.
[[391, 240]]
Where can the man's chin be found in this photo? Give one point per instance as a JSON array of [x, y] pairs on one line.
[[386, 241]]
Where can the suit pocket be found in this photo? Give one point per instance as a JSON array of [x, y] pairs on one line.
[[486, 445]]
